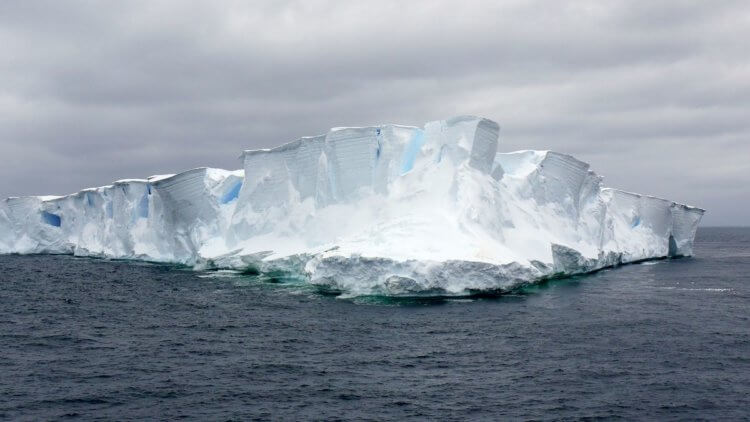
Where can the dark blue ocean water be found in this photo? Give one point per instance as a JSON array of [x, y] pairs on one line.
[[95, 339]]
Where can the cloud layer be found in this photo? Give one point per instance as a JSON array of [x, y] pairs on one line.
[[655, 95]]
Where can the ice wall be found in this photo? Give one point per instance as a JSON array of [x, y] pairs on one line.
[[7, 236], [165, 218], [192, 209], [31, 231], [370, 210]]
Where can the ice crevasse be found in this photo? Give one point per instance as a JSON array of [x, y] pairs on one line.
[[394, 210]]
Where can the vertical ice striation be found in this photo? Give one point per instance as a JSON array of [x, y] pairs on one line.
[[352, 157], [7, 235], [192, 209], [559, 179], [384, 209], [484, 147], [685, 222]]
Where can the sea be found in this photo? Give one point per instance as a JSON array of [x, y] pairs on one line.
[[92, 339]]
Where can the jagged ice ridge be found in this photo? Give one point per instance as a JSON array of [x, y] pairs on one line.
[[393, 210]]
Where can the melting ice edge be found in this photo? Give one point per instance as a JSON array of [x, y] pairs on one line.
[[390, 209]]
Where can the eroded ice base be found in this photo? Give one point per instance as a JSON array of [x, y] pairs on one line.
[[392, 210]]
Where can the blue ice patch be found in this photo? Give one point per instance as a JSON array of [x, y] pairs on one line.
[[232, 193], [109, 210], [51, 219], [142, 209], [636, 222], [410, 152]]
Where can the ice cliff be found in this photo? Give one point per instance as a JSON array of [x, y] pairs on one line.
[[391, 209]]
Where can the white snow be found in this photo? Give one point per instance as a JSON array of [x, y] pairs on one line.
[[372, 210]]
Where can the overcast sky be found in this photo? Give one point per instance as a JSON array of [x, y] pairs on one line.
[[654, 94]]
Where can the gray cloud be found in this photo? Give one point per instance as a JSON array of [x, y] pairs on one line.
[[655, 95]]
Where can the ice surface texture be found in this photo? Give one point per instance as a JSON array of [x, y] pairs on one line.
[[392, 210]]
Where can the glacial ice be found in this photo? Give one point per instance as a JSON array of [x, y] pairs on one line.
[[393, 210]]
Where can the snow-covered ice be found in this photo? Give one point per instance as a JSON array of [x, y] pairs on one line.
[[393, 210]]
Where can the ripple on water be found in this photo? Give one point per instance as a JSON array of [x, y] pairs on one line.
[[116, 340]]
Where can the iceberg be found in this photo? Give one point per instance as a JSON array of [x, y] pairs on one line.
[[387, 210]]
